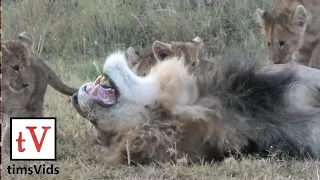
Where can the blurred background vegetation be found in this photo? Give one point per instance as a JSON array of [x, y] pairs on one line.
[[78, 34]]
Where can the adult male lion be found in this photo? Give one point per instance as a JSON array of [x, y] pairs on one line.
[[25, 77], [293, 32], [233, 105]]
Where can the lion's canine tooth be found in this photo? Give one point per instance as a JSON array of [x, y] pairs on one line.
[[98, 80], [95, 90]]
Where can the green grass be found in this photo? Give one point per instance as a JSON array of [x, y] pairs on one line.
[[91, 29], [81, 31], [76, 35]]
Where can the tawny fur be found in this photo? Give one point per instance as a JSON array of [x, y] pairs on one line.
[[292, 32], [142, 62], [24, 82], [232, 106]]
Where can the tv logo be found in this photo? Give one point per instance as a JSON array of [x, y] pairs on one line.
[[33, 139]]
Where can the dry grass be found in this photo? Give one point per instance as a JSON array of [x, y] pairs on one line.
[[74, 34]]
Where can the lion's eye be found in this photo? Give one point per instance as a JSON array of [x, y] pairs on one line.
[[194, 63], [15, 68], [268, 43], [281, 43]]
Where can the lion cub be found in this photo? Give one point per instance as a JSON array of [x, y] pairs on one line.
[[292, 32], [142, 62], [24, 82]]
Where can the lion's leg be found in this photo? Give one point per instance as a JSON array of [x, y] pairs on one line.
[[191, 112], [5, 139], [209, 130]]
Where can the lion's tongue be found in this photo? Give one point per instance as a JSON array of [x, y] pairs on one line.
[[96, 91]]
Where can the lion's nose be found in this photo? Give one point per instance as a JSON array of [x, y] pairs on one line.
[[75, 98]]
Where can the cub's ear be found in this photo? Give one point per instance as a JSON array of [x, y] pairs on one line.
[[299, 18], [197, 40], [262, 19], [26, 39], [161, 50], [5, 51], [199, 43], [132, 56]]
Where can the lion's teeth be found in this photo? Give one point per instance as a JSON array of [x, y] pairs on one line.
[[98, 80], [102, 80], [95, 90]]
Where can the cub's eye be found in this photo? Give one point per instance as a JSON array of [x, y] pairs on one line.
[[15, 68], [281, 43], [268, 43]]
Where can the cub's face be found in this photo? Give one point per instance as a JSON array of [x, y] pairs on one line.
[[142, 62], [283, 33], [192, 51], [16, 63], [281, 44]]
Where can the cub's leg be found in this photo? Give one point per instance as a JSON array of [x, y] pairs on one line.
[[36, 102], [5, 139]]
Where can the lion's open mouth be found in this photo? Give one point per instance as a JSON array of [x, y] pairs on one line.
[[104, 91]]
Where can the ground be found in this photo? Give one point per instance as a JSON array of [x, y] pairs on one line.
[[74, 36]]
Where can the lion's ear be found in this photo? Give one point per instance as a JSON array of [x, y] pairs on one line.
[[26, 39], [262, 19], [132, 56], [299, 18], [161, 50]]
